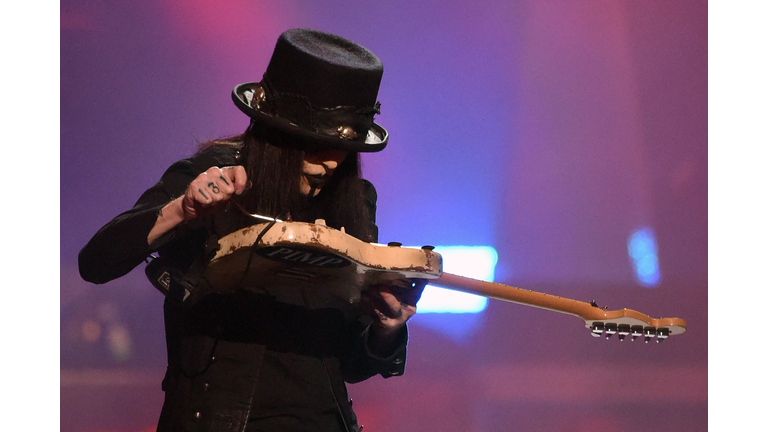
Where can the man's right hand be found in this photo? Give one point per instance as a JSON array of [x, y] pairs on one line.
[[211, 189]]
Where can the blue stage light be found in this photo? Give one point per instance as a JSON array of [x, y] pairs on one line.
[[645, 257], [478, 262]]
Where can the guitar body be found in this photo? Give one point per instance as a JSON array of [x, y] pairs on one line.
[[311, 264], [315, 266]]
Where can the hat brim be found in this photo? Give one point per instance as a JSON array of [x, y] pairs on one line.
[[375, 140]]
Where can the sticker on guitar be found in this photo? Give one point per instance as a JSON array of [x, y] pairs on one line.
[[306, 256]]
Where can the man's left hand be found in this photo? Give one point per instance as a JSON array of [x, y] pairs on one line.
[[392, 306]]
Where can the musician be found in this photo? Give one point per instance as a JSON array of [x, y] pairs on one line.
[[247, 359]]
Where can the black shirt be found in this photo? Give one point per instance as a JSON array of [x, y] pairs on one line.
[[242, 361]]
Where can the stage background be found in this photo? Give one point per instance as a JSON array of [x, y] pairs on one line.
[[549, 130]]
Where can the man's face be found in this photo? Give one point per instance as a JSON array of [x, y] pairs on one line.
[[319, 166]]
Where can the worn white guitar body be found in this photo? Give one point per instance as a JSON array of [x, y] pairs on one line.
[[317, 266], [312, 264]]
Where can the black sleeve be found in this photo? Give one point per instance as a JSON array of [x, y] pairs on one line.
[[121, 245], [363, 364]]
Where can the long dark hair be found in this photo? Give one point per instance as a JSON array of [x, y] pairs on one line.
[[274, 162]]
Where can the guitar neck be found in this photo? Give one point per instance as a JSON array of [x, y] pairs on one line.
[[624, 321], [517, 295]]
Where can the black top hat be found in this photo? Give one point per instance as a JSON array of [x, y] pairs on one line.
[[321, 88]]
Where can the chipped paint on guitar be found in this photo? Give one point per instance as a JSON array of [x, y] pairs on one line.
[[312, 264], [317, 266]]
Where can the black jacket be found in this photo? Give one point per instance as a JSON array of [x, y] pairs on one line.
[[241, 361]]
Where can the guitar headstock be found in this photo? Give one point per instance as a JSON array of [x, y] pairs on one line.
[[626, 322]]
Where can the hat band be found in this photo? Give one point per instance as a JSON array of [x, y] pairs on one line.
[[343, 122]]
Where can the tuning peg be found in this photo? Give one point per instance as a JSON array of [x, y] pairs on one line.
[[637, 331], [662, 334], [610, 330], [624, 330], [649, 332], [597, 329]]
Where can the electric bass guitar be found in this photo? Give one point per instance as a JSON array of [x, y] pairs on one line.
[[318, 266]]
